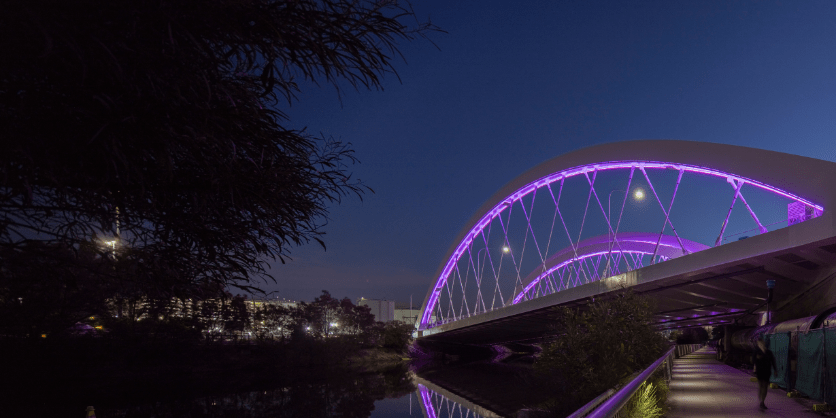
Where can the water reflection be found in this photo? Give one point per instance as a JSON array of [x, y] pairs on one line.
[[479, 390], [436, 405], [351, 396]]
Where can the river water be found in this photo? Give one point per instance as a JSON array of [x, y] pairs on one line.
[[473, 390]]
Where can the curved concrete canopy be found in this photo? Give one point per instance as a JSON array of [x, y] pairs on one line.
[[625, 242], [800, 178]]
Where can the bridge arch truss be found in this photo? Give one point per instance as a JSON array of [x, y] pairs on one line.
[[555, 227]]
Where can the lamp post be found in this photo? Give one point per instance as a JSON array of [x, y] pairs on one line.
[[480, 263], [638, 195]]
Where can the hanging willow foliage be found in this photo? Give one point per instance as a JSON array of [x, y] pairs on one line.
[[160, 123]]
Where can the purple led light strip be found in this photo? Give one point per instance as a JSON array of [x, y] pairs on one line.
[[452, 408], [562, 175], [551, 270], [427, 398]]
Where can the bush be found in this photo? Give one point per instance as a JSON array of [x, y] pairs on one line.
[[596, 348], [397, 336]]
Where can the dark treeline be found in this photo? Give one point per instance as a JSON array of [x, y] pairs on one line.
[[43, 310]]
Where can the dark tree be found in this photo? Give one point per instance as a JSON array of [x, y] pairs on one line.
[[158, 124], [235, 314], [397, 336], [355, 319], [46, 289]]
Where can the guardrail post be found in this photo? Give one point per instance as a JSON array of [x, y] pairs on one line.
[[670, 365]]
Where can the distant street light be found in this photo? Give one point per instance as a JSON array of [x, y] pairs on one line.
[[505, 249], [112, 246], [480, 261], [638, 195]]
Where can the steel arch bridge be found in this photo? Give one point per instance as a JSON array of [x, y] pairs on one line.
[[557, 226]]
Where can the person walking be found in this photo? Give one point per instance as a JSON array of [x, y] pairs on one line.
[[764, 363]]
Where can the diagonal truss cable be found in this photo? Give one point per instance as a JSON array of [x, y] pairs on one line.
[[580, 271]]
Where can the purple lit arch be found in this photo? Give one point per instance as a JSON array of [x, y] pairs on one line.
[[565, 269], [799, 180]]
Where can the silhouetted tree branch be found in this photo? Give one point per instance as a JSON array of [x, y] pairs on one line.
[[160, 122]]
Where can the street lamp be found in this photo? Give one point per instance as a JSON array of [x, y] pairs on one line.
[[480, 261], [638, 195]]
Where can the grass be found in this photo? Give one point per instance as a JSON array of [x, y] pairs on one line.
[[650, 400]]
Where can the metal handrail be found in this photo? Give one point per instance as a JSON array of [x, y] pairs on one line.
[[612, 405], [591, 405]]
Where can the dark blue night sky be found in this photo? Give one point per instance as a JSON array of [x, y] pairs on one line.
[[517, 83]]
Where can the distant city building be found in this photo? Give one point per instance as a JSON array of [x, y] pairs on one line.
[[257, 303], [383, 310], [405, 313]]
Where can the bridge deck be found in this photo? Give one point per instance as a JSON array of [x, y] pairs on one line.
[[705, 387]]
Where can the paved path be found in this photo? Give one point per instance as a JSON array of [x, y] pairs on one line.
[[704, 387]]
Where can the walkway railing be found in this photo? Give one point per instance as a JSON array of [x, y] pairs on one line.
[[610, 403]]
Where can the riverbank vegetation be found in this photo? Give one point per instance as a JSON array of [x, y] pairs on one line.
[[594, 349]]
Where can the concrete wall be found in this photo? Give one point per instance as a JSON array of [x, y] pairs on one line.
[[406, 315], [383, 310]]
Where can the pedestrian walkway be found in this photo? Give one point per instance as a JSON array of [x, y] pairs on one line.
[[704, 387]]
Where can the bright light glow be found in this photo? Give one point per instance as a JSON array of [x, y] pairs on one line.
[[334, 324], [505, 249], [638, 194], [43, 335]]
